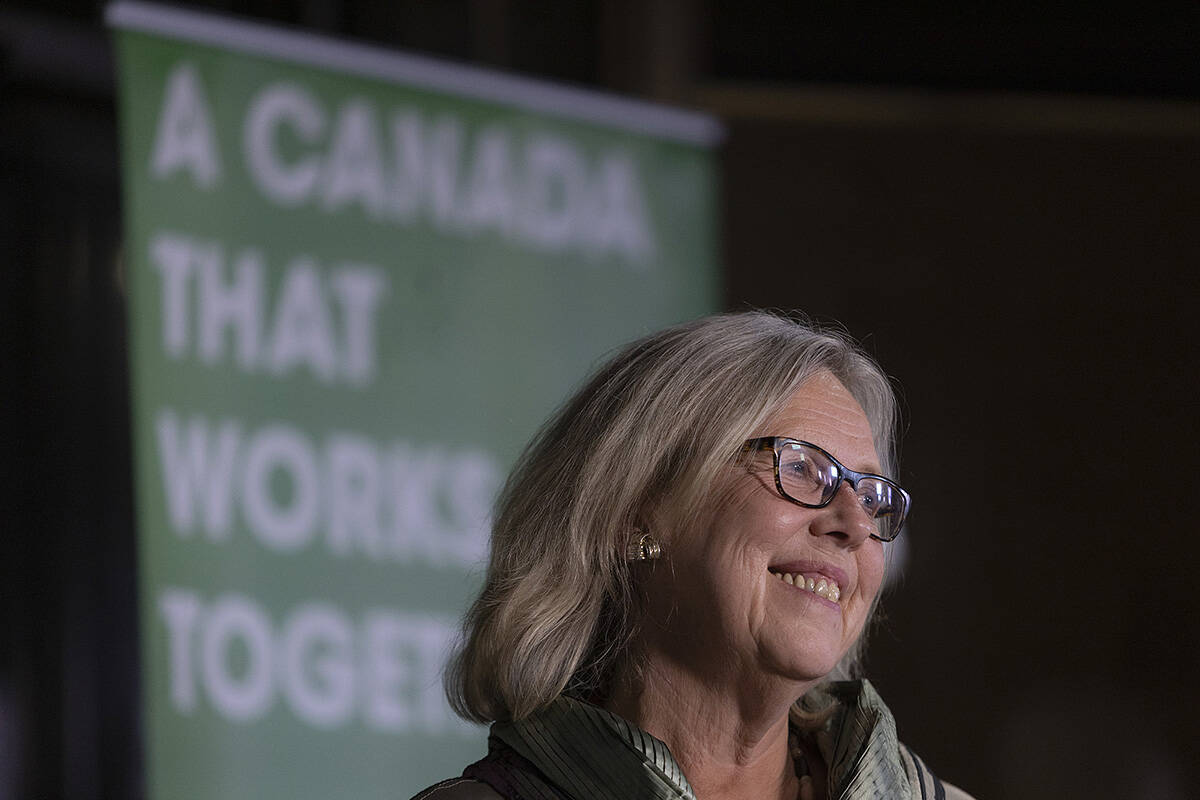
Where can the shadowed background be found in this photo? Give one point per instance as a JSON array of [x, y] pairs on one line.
[[1001, 203]]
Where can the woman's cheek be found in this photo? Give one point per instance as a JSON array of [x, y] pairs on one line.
[[870, 572]]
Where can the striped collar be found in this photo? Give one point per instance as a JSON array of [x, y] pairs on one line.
[[859, 743], [593, 754]]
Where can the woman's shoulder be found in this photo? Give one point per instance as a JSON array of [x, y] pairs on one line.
[[922, 776], [458, 789], [955, 793]]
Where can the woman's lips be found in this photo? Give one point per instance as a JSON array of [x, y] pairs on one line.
[[822, 579]]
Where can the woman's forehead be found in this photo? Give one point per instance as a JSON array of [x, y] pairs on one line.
[[823, 411]]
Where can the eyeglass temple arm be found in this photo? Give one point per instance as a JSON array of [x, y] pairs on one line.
[[756, 445]]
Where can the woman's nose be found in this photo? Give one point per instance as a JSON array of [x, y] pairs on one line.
[[845, 518]]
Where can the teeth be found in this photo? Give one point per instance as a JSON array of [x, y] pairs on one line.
[[823, 587]]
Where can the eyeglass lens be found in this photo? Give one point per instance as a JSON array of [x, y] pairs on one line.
[[808, 475]]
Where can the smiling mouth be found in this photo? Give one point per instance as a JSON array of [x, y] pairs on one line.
[[817, 584]]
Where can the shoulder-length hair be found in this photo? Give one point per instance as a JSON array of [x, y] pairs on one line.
[[650, 431]]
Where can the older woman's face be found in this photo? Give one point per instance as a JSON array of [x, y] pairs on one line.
[[723, 606]]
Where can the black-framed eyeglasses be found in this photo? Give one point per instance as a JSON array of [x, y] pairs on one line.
[[811, 477]]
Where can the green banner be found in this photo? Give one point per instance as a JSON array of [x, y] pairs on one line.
[[358, 281]]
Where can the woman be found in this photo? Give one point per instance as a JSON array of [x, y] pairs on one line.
[[683, 563]]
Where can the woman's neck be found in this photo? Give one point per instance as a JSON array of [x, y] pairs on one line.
[[730, 742]]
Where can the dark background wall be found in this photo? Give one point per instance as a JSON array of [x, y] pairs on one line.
[[1034, 293], [1001, 202]]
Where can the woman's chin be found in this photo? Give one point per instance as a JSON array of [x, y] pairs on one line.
[[805, 669]]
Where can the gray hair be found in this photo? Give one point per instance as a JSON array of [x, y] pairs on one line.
[[652, 428]]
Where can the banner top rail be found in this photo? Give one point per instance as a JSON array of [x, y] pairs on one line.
[[378, 62]]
